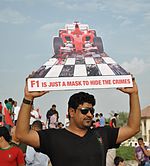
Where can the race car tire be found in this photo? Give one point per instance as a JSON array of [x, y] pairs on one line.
[[97, 41], [94, 33], [57, 43]]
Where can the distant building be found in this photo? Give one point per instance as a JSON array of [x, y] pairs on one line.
[[145, 124], [145, 129]]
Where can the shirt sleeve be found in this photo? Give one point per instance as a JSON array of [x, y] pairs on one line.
[[109, 136], [112, 137], [44, 135]]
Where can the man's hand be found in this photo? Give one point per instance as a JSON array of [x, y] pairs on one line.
[[142, 146], [31, 95], [131, 90]]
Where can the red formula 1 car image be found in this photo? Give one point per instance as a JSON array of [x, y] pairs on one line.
[[79, 62], [77, 38]]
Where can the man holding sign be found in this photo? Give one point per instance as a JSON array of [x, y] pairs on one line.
[[78, 144]]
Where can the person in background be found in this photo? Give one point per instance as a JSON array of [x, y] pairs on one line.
[[113, 120], [34, 158], [35, 115], [52, 117], [96, 123], [96, 117], [9, 155], [78, 144], [102, 120], [119, 161], [1, 114], [8, 121], [54, 120], [15, 141], [60, 125], [142, 153], [67, 120], [9, 105], [16, 111], [1, 107], [111, 154]]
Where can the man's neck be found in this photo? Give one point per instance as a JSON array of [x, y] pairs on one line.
[[76, 130]]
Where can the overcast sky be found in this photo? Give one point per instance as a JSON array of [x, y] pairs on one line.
[[28, 26]]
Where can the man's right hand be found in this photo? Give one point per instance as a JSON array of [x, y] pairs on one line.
[[31, 95]]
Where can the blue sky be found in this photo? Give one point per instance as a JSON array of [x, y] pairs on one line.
[[28, 26]]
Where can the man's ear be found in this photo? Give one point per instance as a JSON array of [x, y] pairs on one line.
[[71, 112]]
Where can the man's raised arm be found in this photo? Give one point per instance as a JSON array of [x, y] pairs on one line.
[[133, 124], [23, 131]]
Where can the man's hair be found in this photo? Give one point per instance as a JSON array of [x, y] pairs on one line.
[[116, 114], [140, 139], [5, 133], [117, 160], [5, 101], [80, 98], [53, 105], [10, 99], [96, 115], [38, 124], [101, 114]]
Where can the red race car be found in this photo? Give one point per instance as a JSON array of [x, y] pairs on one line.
[[77, 38]]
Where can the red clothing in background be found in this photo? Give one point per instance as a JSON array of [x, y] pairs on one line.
[[13, 156]]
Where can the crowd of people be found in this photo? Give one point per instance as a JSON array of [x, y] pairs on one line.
[[9, 143], [86, 140]]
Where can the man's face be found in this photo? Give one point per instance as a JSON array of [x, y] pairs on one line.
[[140, 142], [53, 108], [83, 115], [122, 164]]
